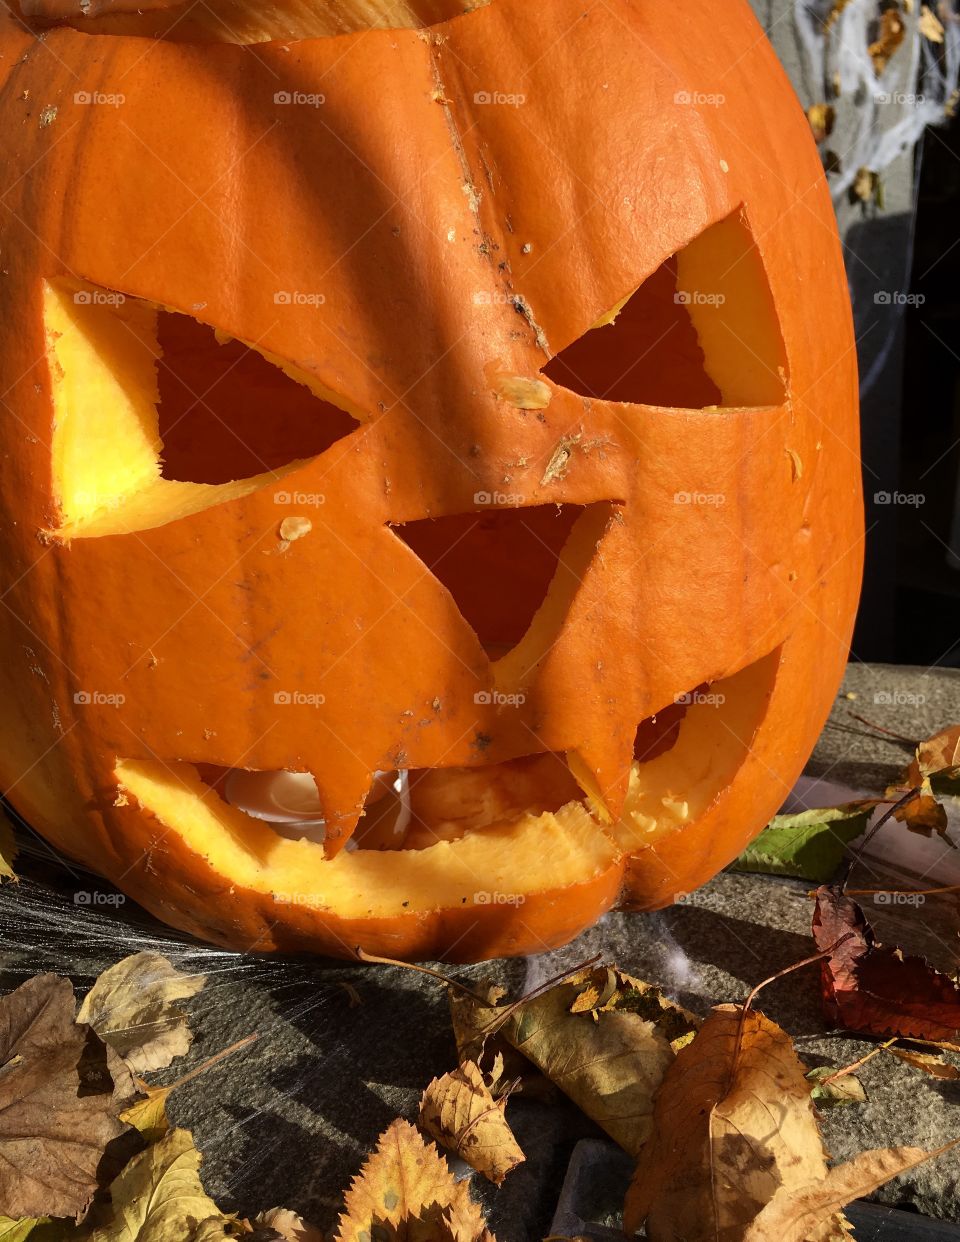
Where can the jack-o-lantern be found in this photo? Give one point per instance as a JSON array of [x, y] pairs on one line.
[[431, 511]]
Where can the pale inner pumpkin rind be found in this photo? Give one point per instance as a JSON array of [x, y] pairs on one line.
[[106, 449], [534, 853]]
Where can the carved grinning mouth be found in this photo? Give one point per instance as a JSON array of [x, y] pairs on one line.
[[478, 828]]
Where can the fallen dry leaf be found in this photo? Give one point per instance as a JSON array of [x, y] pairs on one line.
[[20, 1230], [936, 1067], [733, 1122], [866, 186], [802, 1214], [923, 814], [937, 754], [874, 989], [406, 1189], [61, 1092], [890, 36], [158, 1197], [132, 1007], [8, 852], [835, 10], [149, 1115], [828, 1091], [822, 118], [459, 1111], [290, 1226], [930, 26], [611, 1057]]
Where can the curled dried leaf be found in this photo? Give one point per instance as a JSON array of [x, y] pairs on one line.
[[936, 1067], [132, 1007], [875, 989], [460, 1112]]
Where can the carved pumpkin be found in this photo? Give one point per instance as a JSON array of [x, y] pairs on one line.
[[431, 511]]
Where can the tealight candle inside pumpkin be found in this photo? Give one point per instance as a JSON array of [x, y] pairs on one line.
[[291, 798]]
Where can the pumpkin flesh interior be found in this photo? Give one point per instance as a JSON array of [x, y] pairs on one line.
[[536, 851]]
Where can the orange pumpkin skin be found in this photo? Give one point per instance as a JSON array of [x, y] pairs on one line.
[[400, 198]]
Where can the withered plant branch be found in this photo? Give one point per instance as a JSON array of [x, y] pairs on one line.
[[855, 1065], [908, 797]]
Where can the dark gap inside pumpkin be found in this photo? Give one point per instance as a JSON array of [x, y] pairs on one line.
[[660, 732], [407, 810], [497, 565], [227, 413], [701, 332], [649, 355]]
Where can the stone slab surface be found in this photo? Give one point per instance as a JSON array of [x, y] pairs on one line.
[[289, 1119]]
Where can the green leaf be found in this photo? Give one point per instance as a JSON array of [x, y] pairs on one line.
[[845, 1090], [810, 845]]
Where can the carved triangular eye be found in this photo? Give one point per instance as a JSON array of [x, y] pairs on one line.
[[227, 413], [701, 332], [155, 418], [497, 565]]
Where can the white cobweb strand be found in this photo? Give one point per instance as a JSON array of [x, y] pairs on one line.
[[926, 74]]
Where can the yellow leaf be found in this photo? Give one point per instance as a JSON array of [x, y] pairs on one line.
[[930, 25], [149, 1115], [158, 1197], [8, 852], [401, 1182], [459, 1111], [822, 118]]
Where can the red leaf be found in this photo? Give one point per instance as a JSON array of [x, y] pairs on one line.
[[875, 989]]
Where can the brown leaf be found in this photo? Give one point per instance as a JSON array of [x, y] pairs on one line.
[[459, 1111], [936, 1067], [61, 1092], [890, 36], [836, 9], [610, 1060], [404, 1179], [936, 754], [924, 814], [733, 1122], [866, 186], [290, 1226], [876, 990], [800, 1214], [132, 1008], [822, 118]]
